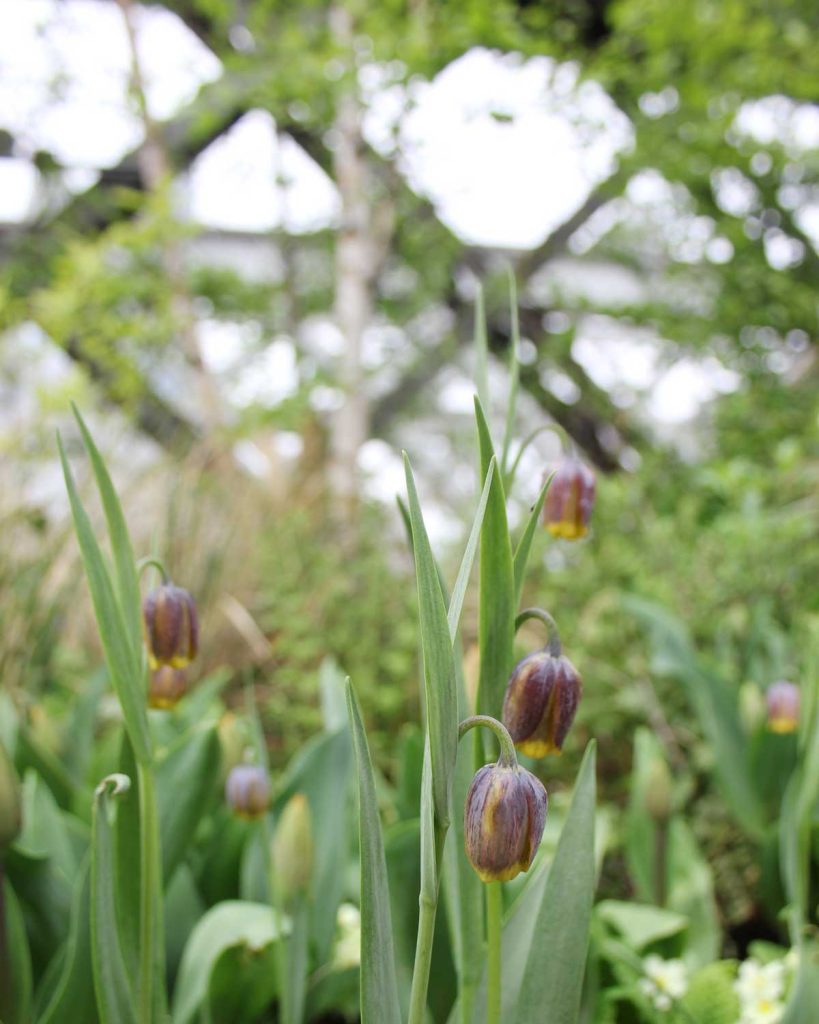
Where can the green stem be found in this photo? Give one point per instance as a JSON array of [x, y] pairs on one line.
[[507, 756], [428, 906], [151, 935], [279, 954], [553, 644], [514, 371], [494, 915], [553, 428]]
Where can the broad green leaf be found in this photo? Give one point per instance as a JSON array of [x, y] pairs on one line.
[[115, 996], [44, 835], [640, 924], [525, 543], [379, 990], [73, 995], [556, 962], [333, 700], [441, 700], [456, 601], [496, 628], [124, 563], [296, 952], [252, 927], [15, 968], [691, 893], [183, 908], [186, 782], [127, 857], [125, 672]]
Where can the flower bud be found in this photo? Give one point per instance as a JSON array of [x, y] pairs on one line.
[[504, 818], [658, 795], [247, 790], [782, 700], [11, 810], [540, 703], [569, 500], [171, 626], [167, 687], [293, 847]]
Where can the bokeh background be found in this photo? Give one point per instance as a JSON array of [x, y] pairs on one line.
[[247, 236]]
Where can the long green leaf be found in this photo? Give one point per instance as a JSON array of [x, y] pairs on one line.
[[553, 975], [496, 628], [119, 656], [379, 989], [124, 562], [115, 996], [441, 701], [456, 601], [15, 967], [525, 543]]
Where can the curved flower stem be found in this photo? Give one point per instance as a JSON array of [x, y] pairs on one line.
[[150, 562], [553, 644], [566, 444], [507, 756]]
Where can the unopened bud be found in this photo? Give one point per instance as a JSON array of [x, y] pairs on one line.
[[504, 818], [293, 847], [247, 790], [171, 626], [658, 791], [11, 810], [782, 700], [541, 701], [569, 500], [167, 687]]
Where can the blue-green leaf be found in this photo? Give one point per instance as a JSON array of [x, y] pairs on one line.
[[123, 669], [496, 628], [379, 989], [15, 969], [481, 349], [525, 542], [514, 372], [456, 601], [124, 563], [441, 699]]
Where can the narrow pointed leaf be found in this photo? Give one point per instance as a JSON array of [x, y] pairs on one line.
[[15, 967], [119, 656], [115, 997], [525, 543], [496, 627], [556, 962], [124, 563], [456, 601], [439, 666], [379, 989]]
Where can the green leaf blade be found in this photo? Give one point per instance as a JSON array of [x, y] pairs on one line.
[[439, 665], [496, 627], [379, 988]]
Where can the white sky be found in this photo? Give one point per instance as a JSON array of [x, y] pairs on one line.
[[506, 150]]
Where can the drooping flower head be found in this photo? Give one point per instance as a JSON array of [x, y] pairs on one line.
[[171, 626], [247, 790], [570, 500], [504, 817], [782, 701], [541, 701]]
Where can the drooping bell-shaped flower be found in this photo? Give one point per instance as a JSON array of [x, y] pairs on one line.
[[569, 500], [171, 626], [541, 701], [504, 817]]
